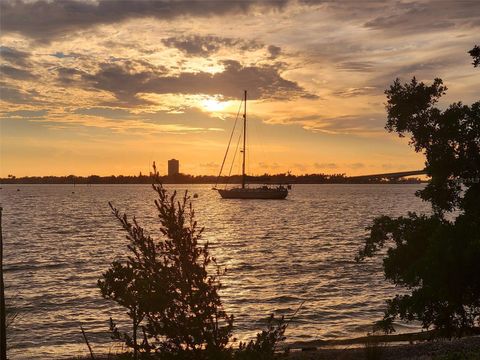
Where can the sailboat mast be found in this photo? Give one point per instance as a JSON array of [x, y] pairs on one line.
[[244, 137]]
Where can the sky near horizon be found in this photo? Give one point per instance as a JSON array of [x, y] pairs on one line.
[[107, 87]]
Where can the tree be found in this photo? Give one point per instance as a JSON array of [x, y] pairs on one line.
[[435, 257], [475, 54], [169, 286]]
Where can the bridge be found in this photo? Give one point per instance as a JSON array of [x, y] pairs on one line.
[[390, 176]]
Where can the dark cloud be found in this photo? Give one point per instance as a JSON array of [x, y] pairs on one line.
[[16, 73], [274, 51], [119, 80], [44, 20], [124, 78], [61, 55], [196, 45], [68, 76], [262, 82], [14, 95], [412, 17], [400, 18], [16, 57]]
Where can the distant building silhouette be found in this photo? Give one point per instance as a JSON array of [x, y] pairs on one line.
[[173, 167]]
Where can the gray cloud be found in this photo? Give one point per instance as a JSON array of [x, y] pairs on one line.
[[196, 45], [425, 70], [16, 73], [413, 17], [357, 66], [14, 95], [24, 114], [262, 82], [398, 18], [68, 76], [44, 20], [109, 113], [16, 57], [274, 51]]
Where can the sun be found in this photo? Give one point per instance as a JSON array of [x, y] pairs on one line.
[[214, 105]]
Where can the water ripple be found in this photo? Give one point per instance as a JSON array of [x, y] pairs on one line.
[[278, 254]]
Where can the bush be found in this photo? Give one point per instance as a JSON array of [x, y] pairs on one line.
[[167, 286], [265, 345]]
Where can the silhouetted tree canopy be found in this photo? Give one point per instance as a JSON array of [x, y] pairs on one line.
[[475, 54], [436, 257]]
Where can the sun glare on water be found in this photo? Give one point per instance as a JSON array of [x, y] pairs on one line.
[[214, 105]]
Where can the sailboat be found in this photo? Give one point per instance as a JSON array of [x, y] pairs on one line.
[[277, 192]]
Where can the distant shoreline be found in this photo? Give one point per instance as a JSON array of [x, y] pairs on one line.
[[207, 179]]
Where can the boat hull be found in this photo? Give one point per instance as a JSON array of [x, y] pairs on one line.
[[263, 194]]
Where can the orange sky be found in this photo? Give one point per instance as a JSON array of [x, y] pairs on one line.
[[105, 87]]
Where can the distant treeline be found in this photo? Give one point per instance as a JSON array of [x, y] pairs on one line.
[[205, 179]]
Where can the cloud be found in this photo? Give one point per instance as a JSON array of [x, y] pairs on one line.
[[262, 82], [356, 166], [69, 76], [121, 120], [423, 70], [195, 45], [358, 66], [347, 124], [44, 20], [274, 51], [414, 17], [210, 165], [105, 112], [342, 124], [14, 95], [16, 73], [350, 92], [23, 114], [15, 57], [325, 165], [61, 55], [269, 166]]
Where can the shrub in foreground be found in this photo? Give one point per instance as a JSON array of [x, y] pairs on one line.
[[170, 290]]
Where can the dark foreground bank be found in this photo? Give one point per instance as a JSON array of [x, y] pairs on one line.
[[467, 348], [456, 349]]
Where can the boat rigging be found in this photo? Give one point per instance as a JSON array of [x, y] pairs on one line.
[[245, 192]]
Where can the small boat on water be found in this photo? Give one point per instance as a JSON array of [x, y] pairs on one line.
[[266, 192]]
